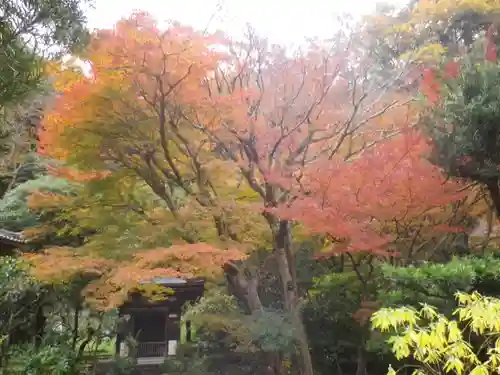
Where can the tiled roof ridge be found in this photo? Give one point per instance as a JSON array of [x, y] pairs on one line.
[[12, 236]]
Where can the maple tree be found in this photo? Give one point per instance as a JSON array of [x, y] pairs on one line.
[[297, 189], [135, 148], [195, 137], [389, 204], [216, 130], [373, 202], [110, 282], [192, 144]]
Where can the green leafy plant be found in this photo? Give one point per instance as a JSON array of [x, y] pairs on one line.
[[467, 343]]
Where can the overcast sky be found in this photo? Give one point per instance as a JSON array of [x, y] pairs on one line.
[[282, 21]]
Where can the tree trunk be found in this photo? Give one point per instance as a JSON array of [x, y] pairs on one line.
[[4, 346], [286, 267], [40, 322], [275, 364], [243, 288], [305, 354], [223, 228], [494, 190], [361, 361], [76, 324], [287, 283]]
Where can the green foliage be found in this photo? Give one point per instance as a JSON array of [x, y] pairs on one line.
[[28, 29], [346, 286], [227, 340], [17, 292], [30, 167], [50, 359], [20, 296], [268, 331], [57, 353], [20, 70], [334, 334], [436, 283], [118, 215], [121, 366], [15, 213], [335, 301], [192, 367], [65, 348], [58, 23], [469, 343], [214, 302], [464, 128], [330, 317], [19, 124]]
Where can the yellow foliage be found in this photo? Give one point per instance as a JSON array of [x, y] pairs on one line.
[[443, 9], [418, 34], [440, 344], [428, 53]]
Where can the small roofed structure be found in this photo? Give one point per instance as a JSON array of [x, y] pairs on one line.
[[155, 325], [10, 241]]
